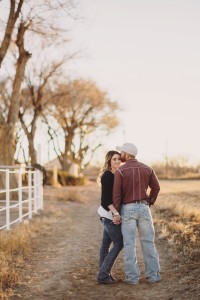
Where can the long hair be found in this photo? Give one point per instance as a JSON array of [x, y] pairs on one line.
[[107, 164]]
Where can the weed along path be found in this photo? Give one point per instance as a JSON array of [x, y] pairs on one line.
[[64, 262]]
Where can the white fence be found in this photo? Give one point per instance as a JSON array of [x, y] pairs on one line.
[[21, 194]]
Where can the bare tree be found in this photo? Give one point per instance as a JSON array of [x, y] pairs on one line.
[[38, 19], [83, 111], [7, 127], [36, 97]]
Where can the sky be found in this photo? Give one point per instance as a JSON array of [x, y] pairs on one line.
[[146, 55]]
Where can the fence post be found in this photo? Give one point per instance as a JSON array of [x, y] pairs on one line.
[[35, 192], [39, 180], [7, 199], [40, 190], [55, 182], [20, 194], [30, 194]]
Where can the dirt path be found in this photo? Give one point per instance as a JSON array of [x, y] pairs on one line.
[[64, 264]]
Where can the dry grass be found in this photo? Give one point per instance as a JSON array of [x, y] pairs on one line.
[[177, 216], [64, 194], [17, 245]]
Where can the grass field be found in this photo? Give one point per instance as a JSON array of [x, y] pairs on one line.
[[175, 186], [177, 220]]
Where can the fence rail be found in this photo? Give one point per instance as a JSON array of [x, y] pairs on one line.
[[21, 194]]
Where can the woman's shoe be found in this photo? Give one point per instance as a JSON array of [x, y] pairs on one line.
[[107, 281]]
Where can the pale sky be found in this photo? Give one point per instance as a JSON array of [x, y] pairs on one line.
[[146, 55]]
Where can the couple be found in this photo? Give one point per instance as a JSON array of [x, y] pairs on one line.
[[125, 207]]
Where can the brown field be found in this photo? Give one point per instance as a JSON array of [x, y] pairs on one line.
[[55, 257], [177, 186]]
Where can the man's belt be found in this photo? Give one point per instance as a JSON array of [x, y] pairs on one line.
[[138, 201]]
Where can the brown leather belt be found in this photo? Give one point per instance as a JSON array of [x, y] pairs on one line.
[[138, 201]]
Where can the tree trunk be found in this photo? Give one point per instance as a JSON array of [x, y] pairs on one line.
[[65, 163], [67, 155], [32, 152], [19, 76], [7, 151], [30, 136], [7, 144], [13, 16], [7, 129]]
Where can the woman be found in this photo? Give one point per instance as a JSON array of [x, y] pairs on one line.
[[111, 232]]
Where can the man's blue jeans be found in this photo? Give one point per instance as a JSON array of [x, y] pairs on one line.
[[112, 244], [138, 216]]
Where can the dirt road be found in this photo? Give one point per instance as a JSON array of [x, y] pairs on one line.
[[64, 264]]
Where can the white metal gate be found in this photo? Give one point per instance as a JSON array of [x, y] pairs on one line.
[[21, 194]]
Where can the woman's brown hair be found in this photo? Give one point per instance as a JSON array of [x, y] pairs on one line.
[[107, 163]]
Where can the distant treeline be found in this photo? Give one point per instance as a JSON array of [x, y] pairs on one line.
[[176, 170]]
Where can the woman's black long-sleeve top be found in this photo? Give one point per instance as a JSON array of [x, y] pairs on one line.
[[107, 181]]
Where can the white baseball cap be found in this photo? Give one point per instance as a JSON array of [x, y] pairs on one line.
[[128, 148]]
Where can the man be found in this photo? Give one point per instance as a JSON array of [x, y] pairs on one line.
[[131, 182]]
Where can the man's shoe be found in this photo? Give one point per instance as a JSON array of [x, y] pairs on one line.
[[153, 281], [130, 282]]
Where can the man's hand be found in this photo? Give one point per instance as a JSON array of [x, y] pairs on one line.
[[117, 219], [151, 201]]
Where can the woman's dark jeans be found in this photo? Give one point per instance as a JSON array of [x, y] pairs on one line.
[[108, 253]]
